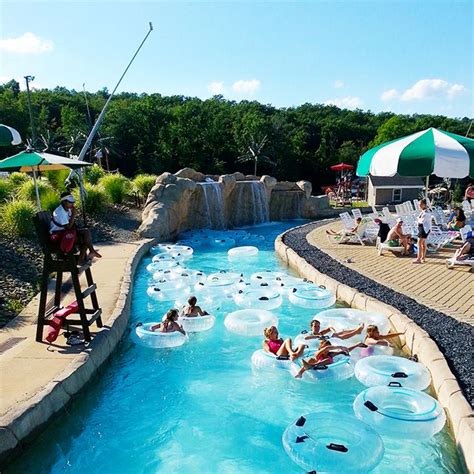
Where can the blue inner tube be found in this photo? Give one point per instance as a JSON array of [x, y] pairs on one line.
[[393, 410], [334, 443]]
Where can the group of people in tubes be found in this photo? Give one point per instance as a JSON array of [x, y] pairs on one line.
[[283, 348]]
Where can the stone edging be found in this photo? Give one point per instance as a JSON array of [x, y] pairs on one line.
[[416, 341], [29, 417]]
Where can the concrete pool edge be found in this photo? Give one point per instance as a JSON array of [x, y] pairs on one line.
[[28, 418], [416, 341]]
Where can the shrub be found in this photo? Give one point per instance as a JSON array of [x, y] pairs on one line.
[[143, 184], [5, 189], [17, 217], [92, 174], [16, 179], [116, 186], [50, 200], [27, 190], [95, 200], [56, 179]]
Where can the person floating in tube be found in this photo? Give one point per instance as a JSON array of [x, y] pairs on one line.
[[169, 323], [374, 338], [281, 348], [317, 332], [191, 310]]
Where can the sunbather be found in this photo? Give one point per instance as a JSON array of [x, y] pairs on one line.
[[467, 249], [396, 237], [458, 221], [344, 232]]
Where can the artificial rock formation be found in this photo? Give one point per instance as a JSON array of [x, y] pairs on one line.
[[189, 199]]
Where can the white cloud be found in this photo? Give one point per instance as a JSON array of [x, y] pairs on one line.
[[338, 84], [456, 89], [216, 88], [432, 88], [246, 87], [28, 43], [389, 95], [345, 102]]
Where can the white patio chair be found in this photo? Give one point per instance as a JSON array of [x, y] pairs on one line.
[[356, 213], [384, 246], [464, 231]]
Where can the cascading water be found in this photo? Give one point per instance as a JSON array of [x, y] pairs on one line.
[[213, 205], [260, 203], [286, 205], [247, 204]]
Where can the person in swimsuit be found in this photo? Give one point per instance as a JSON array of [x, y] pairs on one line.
[[458, 221], [325, 356], [317, 332], [374, 338], [281, 348], [192, 310], [169, 323]]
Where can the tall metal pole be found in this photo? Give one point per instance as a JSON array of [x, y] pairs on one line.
[[101, 116], [33, 133]]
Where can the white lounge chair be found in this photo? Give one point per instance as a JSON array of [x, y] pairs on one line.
[[469, 262], [383, 246]]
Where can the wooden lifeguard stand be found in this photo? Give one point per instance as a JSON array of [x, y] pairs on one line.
[[59, 263]]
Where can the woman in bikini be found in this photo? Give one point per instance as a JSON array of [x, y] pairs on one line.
[[317, 332], [192, 310], [279, 347], [374, 338], [169, 323], [325, 356]]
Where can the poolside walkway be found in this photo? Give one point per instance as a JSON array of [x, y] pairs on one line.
[[26, 367], [450, 291]]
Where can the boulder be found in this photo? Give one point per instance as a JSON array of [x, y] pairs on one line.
[[306, 187], [189, 173], [269, 181], [228, 180]]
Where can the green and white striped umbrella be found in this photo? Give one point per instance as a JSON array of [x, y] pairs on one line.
[[9, 136], [424, 153]]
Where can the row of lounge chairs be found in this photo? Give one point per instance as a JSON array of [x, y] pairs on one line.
[[367, 232]]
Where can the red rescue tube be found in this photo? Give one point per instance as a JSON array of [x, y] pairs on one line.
[[57, 321]]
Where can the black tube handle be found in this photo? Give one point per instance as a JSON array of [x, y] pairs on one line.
[[399, 375], [337, 447], [394, 384]]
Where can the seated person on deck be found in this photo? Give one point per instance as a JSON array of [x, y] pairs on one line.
[[396, 237]]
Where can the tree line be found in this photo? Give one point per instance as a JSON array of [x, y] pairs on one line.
[[151, 133]]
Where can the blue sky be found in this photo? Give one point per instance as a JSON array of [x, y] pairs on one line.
[[402, 56]]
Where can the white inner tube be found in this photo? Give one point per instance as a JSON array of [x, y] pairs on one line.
[[224, 275], [344, 318], [222, 242], [340, 369], [168, 290], [250, 322], [246, 251], [162, 265], [218, 288], [259, 298], [266, 276], [335, 443], [381, 370], [184, 251], [197, 323], [157, 339], [265, 360], [394, 410], [184, 275], [314, 298], [361, 352]]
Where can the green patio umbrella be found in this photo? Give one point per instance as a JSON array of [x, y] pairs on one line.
[[430, 151], [9, 136], [30, 161]]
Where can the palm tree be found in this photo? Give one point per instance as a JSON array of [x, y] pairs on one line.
[[254, 153]]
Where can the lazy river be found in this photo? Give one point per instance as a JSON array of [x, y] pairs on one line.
[[201, 407]]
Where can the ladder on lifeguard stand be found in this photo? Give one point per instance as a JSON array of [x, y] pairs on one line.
[[59, 263]]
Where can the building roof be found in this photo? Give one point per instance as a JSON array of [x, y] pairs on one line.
[[396, 181]]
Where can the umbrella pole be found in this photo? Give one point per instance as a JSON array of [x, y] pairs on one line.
[[38, 202], [426, 186], [81, 194]]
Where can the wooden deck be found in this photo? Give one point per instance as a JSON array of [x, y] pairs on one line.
[[432, 284]]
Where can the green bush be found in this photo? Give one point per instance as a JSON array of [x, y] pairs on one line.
[[116, 186], [56, 179], [17, 179], [143, 184], [5, 189], [27, 191], [95, 201], [17, 217], [50, 200], [92, 174]]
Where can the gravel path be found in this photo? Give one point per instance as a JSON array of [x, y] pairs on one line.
[[455, 339], [22, 259]]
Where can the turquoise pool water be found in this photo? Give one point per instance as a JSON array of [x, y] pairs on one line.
[[200, 408]]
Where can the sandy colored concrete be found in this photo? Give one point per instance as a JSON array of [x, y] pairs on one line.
[[432, 284], [38, 379]]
